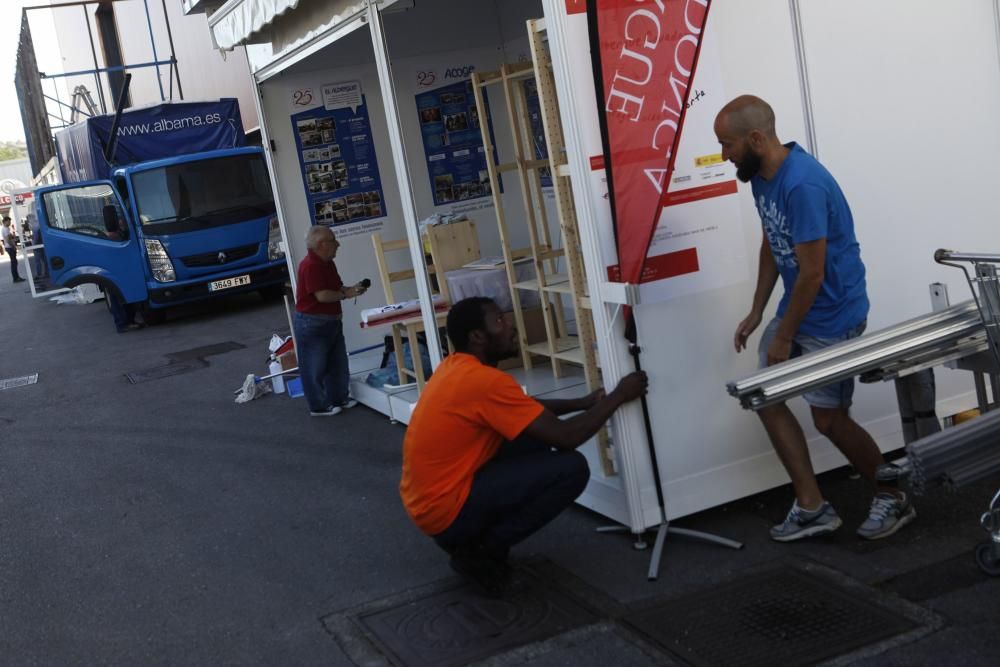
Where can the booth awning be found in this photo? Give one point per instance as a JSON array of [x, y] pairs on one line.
[[240, 21], [286, 24]]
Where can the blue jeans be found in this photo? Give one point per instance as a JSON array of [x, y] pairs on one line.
[[322, 356], [525, 486], [12, 254], [122, 313], [836, 395]]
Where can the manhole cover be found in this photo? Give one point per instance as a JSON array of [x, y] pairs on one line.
[[23, 381], [785, 617], [458, 626]]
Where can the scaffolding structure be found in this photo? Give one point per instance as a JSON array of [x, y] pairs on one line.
[[43, 110]]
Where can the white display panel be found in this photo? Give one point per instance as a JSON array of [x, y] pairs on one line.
[[878, 131]]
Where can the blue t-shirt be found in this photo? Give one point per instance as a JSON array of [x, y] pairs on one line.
[[803, 203]]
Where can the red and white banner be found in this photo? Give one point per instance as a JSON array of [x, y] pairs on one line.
[[18, 198], [648, 52]]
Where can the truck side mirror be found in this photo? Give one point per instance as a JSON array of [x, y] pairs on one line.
[[110, 219]]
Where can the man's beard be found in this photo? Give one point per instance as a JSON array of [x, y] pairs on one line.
[[497, 352], [749, 167]]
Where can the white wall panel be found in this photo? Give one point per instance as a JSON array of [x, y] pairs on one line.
[[906, 99]]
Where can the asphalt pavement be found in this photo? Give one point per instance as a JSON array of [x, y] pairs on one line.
[[159, 522]]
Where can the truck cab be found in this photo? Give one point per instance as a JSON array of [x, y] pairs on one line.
[[168, 231]]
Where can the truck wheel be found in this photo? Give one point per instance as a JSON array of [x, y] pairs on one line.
[[153, 316], [271, 292]]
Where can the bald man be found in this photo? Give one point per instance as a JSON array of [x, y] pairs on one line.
[[809, 242]]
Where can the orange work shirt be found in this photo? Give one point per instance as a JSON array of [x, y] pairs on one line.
[[465, 412]]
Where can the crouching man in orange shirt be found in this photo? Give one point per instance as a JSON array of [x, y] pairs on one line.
[[485, 465]]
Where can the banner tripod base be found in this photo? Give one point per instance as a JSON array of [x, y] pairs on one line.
[[661, 536]]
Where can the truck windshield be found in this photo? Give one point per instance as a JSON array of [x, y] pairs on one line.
[[205, 193]]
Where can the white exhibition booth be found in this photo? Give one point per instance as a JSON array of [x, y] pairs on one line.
[[899, 99]]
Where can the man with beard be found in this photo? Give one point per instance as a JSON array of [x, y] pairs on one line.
[[485, 465], [809, 241]]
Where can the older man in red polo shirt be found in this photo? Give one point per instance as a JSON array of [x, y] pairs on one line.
[[319, 329]]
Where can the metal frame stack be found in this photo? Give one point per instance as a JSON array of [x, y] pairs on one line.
[[897, 351]]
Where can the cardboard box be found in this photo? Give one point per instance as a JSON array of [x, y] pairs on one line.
[[288, 360]]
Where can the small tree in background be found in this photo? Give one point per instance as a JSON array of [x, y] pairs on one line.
[[10, 151]]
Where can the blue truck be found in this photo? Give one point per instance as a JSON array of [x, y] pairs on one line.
[[162, 205]]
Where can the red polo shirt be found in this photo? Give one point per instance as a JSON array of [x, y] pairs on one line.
[[316, 274]]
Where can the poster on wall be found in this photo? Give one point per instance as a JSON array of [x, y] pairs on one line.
[[538, 147], [337, 156], [453, 143]]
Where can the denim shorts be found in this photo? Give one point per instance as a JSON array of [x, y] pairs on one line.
[[836, 395]]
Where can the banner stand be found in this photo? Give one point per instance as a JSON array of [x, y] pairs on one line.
[[664, 527], [637, 202]]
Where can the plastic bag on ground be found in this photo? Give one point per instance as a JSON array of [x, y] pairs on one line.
[[81, 294]]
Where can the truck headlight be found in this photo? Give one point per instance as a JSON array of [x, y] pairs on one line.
[[275, 248], [159, 262]]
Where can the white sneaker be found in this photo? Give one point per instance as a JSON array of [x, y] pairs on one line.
[[888, 514], [329, 412], [348, 404]]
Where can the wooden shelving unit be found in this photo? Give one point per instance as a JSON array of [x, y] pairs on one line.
[[559, 271]]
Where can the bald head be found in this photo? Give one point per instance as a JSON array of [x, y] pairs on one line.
[[748, 113]]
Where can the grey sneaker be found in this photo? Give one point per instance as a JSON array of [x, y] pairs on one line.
[[888, 514], [329, 412], [804, 523]]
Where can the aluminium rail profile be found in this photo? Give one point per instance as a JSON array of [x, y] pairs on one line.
[[956, 456], [947, 333]]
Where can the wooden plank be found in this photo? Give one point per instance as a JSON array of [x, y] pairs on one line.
[[453, 245], [512, 95], [562, 188], [400, 244], [396, 276]]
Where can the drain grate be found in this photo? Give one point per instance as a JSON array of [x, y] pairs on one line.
[[456, 626], [785, 617], [23, 381]]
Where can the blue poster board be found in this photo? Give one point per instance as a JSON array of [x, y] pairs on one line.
[[453, 143], [337, 155], [538, 145]]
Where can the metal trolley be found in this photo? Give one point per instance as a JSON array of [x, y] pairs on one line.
[[985, 288]]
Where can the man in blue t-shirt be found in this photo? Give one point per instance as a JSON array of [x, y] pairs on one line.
[[809, 242]]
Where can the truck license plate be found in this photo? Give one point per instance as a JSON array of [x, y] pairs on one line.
[[235, 281]]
